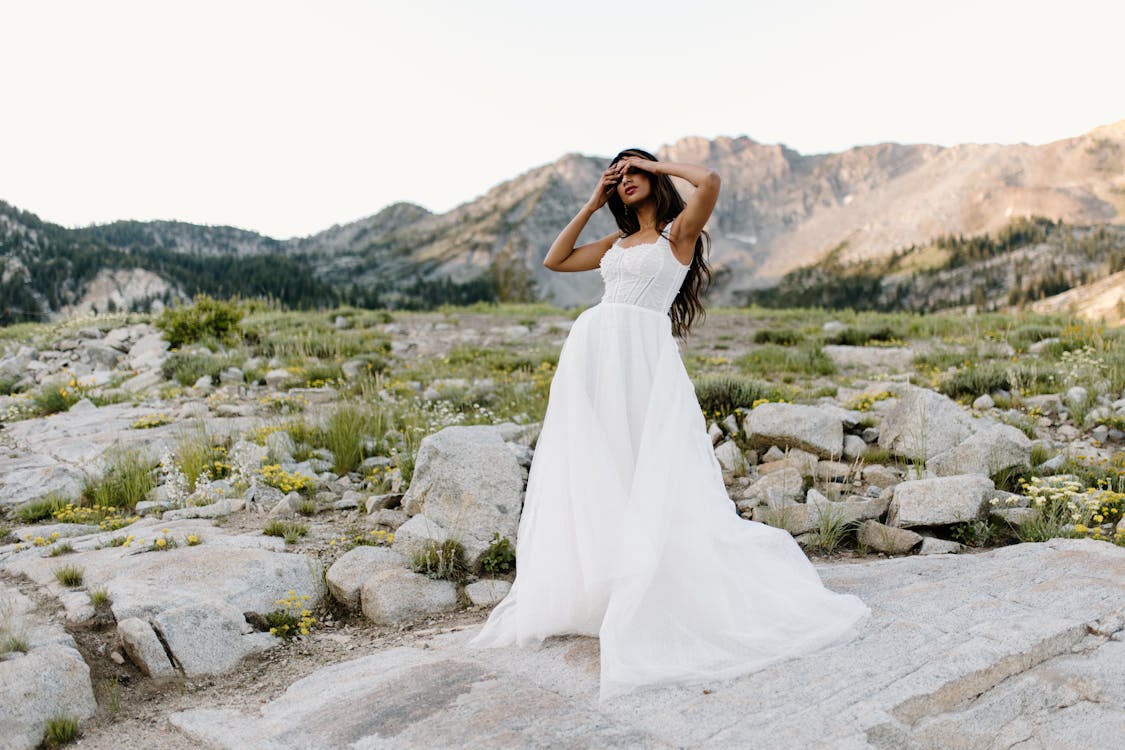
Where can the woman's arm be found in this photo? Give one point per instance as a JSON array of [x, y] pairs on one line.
[[685, 230], [563, 255]]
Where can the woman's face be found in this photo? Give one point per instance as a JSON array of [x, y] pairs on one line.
[[635, 187]]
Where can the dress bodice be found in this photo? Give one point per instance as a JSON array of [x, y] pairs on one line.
[[648, 275]]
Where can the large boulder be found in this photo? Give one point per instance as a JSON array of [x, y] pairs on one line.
[[1018, 646], [796, 426], [209, 637], [45, 678], [987, 452], [397, 595], [924, 424], [940, 500], [346, 576], [468, 482], [776, 489]]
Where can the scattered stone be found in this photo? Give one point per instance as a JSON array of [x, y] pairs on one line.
[[396, 595], [939, 501], [854, 447], [777, 489], [208, 638], [467, 482], [987, 452], [983, 402], [143, 647], [731, 459], [354, 567], [487, 591], [924, 424], [931, 545], [881, 476], [796, 426], [888, 539]]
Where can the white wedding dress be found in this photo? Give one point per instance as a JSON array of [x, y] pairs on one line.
[[627, 532]]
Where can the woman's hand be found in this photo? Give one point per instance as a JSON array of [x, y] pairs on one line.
[[606, 185], [633, 163]]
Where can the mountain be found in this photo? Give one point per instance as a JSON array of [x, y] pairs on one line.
[[779, 210]]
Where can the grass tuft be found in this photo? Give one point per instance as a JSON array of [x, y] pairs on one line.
[[69, 576]]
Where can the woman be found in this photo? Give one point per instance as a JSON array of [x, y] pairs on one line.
[[627, 532]]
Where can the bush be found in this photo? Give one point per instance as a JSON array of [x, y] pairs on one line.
[[782, 336], [720, 395], [441, 560], [206, 318], [187, 367], [499, 557], [55, 399], [771, 359], [863, 336]]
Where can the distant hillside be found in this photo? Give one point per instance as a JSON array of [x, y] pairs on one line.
[[779, 210], [1026, 261]]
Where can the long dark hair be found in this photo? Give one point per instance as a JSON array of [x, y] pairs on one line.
[[669, 203]]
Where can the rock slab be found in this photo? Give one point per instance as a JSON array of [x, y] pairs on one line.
[[1020, 644]]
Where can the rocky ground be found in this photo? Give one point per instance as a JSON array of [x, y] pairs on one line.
[[900, 494]]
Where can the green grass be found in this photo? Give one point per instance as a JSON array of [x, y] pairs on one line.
[[445, 560], [198, 453], [69, 576], [864, 335], [55, 399], [34, 511], [60, 730], [290, 531], [61, 548], [769, 360], [780, 336], [128, 478], [187, 367], [100, 597], [347, 428], [720, 395]]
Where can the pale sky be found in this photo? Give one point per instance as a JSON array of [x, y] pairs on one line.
[[287, 117]]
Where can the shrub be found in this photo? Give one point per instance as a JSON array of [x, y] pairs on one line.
[[187, 367], [720, 395], [444, 560], [52, 399], [771, 359], [292, 619], [499, 557], [864, 336], [782, 336], [206, 318]]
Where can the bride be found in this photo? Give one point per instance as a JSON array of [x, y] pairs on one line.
[[627, 532]]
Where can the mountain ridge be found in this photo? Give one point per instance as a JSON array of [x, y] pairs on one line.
[[779, 210]]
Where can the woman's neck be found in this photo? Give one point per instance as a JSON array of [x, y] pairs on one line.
[[646, 217]]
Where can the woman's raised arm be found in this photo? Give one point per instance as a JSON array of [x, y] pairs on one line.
[[688, 225], [563, 255]]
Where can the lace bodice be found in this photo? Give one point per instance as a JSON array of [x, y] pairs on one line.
[[647, 275]]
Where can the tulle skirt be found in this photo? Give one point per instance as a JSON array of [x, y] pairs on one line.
[[627, 532]]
